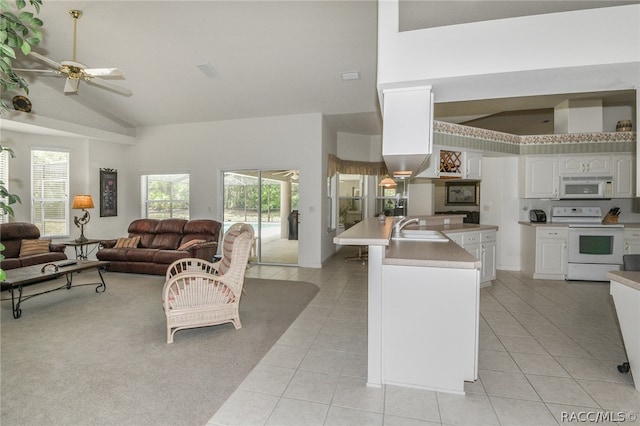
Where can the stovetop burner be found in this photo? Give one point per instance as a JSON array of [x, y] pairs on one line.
[[576, 215]]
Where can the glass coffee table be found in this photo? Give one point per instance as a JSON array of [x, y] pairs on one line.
[[18, 278]]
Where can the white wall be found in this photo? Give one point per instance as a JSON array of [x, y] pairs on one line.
[[329, 146], [85, 160], [205, 150], [499, 205]]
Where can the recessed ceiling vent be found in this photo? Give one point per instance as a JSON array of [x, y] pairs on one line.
[[208, 70]]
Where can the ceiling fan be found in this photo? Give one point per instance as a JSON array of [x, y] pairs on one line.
[[75, 71]]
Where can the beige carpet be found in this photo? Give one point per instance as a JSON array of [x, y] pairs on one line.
[[77, 357]]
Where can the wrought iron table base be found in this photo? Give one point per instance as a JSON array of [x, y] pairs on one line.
[[15, 305]]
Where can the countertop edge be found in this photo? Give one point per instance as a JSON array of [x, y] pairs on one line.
[[628, 278]]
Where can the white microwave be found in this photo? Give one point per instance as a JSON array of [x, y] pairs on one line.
[[586, 188]]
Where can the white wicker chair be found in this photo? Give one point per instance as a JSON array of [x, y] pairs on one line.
[[229, 237], [198, 299], [189, 264]]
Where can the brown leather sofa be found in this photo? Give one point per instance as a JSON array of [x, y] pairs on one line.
[[159, 243], [12, 234]]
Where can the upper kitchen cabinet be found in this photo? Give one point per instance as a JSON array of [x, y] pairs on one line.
[[473, 165], [623, 175], [539, 176], [453, 163], [586, 165]]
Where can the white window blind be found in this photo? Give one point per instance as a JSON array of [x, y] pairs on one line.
[[50, 192], [4, 178], [165, 196]]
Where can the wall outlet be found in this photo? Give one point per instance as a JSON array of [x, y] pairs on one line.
[[447, 221]]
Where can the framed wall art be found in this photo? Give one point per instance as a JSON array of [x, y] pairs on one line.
[[462, 193], [108, 192]]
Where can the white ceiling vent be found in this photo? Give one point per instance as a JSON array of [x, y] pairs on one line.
[[350, 75]]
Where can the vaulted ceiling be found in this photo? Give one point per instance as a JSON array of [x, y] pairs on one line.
[[260, 58]]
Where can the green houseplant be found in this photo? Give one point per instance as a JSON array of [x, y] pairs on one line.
[[19, 30]]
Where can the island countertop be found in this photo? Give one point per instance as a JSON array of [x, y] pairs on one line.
[[628, 278], [414, 253]]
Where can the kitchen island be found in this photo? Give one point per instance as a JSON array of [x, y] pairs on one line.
[[625, 290], [423, 307]]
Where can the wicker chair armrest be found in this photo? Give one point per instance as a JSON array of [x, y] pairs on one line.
[[216, 266]]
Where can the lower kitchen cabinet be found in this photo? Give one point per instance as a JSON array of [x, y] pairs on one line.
[[483, 246], [632, 241], [488, 253], [544, 252]]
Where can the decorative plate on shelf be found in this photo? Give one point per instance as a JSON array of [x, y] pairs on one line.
[[22, 103]]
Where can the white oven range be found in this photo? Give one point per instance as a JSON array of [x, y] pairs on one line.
[[593, 248]]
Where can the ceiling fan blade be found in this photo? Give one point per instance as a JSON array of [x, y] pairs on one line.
[[55, 72], [109, 85], [71, 85], [104, 72], [50, 62]]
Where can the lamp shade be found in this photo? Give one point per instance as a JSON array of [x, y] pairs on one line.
[[82, 202], [387, 182]]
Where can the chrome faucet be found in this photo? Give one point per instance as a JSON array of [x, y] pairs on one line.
[[404, 222]]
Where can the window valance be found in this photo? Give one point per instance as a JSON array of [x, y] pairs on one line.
[[337, 165]]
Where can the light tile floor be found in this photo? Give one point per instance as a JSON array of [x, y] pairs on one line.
[[548, 352]]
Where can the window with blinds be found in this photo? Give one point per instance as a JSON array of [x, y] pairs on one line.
[[50, 192], [4, 180], [165, 196]]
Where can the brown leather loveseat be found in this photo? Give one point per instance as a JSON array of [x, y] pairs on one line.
[[12, 236], [158, 243]]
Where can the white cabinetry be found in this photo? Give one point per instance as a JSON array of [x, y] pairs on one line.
[[539, 178], [632, 241], [586, 165], [488, 253], [472, 165], [623, 175], [447, 162], [551, 252], [482, 245]]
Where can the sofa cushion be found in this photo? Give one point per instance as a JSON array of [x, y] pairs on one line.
[[10, 263], [37, 259], [145, 229], [31, 247], [127, 242], [12, 235], [166, 241], [140, 255], [168, 234], [113, 254], [167, 257]]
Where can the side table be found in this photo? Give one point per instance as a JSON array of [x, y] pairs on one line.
[[82, 248]]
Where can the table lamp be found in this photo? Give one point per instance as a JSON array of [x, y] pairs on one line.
[[82, 202]]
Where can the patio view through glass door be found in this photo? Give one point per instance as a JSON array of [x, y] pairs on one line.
[[268, 200]]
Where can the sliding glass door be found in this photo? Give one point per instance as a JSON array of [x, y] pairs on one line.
[[268, 200]]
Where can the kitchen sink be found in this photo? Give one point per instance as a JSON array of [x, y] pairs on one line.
[[421, 235]]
